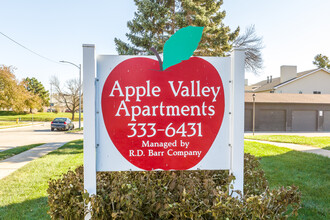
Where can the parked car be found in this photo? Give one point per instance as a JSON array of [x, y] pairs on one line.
[[61, 124]]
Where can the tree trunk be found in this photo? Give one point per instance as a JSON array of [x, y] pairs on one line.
[[72, 113]]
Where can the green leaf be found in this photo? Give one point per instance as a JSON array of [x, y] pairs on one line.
[[181, 45]]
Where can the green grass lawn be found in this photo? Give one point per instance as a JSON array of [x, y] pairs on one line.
[[321, 142], [75, 130], [284, 167], [23, 194], [11, 124], [40, 116], [11, 152], [8, 123]]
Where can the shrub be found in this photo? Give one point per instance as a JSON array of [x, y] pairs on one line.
[[66, 196], [255, 181], [172, 195]]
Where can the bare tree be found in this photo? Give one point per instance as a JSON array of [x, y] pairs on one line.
[[69, 95], [253, 46]]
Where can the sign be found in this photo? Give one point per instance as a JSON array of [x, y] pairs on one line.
[[164, 120], [139, 116]]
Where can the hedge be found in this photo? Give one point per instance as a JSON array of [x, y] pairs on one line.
[[172, 195]]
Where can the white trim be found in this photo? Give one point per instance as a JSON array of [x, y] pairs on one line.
[[237, 119], [89, 121], [294, 79]]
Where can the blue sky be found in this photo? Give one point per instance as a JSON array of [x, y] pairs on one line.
[[293, 32]]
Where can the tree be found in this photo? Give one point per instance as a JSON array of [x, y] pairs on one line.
[[69, 96], [252, 44], [39, 95], [32, 101], [12, 94], [156, 20], [322, 61], [217, 38], [36, 87], [147, 29]]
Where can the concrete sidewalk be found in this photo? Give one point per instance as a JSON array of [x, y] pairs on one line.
[[302, 133], [297, 147], [11, 164]]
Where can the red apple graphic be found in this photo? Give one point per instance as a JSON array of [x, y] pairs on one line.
[[167, 119]]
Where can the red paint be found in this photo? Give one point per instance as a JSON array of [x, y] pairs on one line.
[[142, 74]]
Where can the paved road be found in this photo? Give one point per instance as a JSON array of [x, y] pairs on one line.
[[41, 133]]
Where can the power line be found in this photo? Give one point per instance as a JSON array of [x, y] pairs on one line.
[[29, 49]]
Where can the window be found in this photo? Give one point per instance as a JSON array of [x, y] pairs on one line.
[[57, 120], [316, 92]]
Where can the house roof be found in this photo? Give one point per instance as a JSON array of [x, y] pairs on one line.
[[288, 98], [276, 82], [264, 86], [249, 88], [300, 75]]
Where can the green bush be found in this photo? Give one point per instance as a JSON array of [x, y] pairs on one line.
[[172, 195]]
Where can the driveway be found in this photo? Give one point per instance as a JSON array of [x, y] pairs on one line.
[[40, 133]]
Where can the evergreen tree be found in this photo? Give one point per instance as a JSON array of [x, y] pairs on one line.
[[217, 38], [322, 61], [35, 87], [147, 29], [156, 20]]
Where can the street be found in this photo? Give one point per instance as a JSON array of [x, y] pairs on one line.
[[41, 133]]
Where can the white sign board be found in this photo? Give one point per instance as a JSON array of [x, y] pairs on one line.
[[108, 155], [190, 116]]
